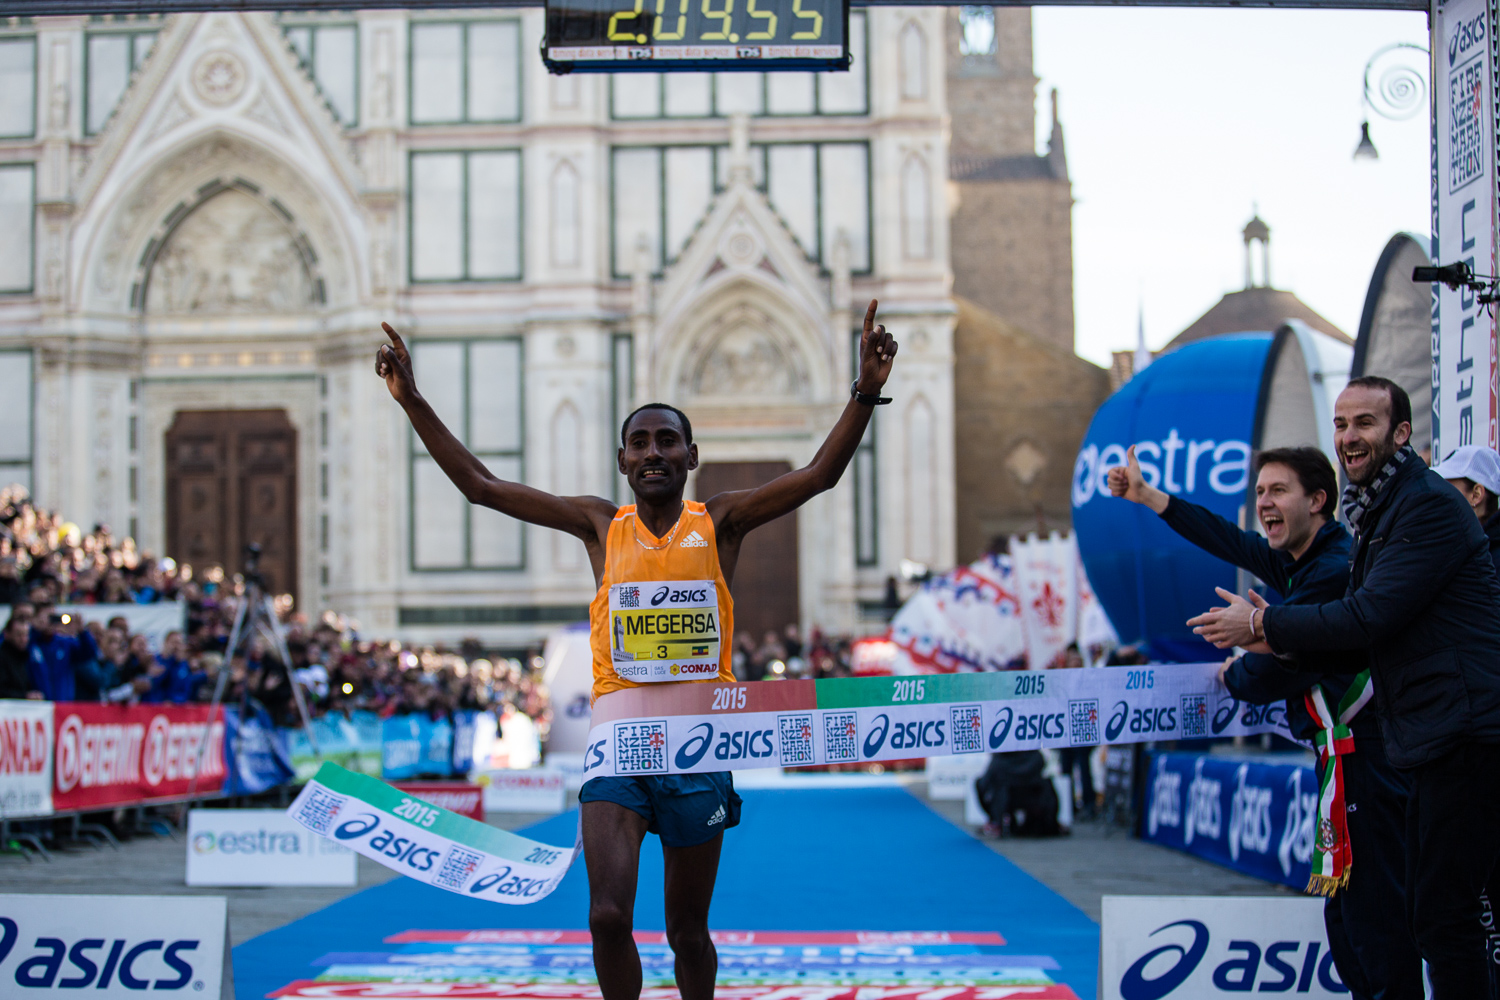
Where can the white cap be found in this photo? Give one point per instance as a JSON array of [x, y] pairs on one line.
[[1474, 462]]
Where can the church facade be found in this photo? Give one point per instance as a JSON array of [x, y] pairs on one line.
[[205, 217]]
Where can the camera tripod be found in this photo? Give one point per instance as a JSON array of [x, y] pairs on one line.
[[256, 616]]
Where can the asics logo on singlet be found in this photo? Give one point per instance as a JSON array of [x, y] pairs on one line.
[[693, 541], [676, 596]]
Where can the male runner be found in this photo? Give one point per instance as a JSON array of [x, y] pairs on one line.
[[660, 539], [1304, 557]]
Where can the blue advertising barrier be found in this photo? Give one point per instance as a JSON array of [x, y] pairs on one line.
[[352, 743], [256, 758], [1191, 417], [414, 745], [1256, 818]]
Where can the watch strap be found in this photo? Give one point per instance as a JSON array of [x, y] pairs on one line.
[[866, 398]]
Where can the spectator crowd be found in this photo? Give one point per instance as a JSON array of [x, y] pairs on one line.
[[50, 653]]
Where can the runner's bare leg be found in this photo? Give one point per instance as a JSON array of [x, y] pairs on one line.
[[612, 838], [690, 876]]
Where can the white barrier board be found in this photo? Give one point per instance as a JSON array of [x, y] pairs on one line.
[[255, 847], [112, 947], [1180, 947], [950, 778], [532, 789], [25, 758]]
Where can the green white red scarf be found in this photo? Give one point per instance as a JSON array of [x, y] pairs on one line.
[[1332, 856]]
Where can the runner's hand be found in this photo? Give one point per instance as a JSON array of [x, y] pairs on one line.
[[393, 363], [877, 349]]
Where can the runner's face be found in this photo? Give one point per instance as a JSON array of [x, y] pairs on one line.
[[1285, 509], [656, 458]]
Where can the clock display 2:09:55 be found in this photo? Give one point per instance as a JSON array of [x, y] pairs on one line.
[[670, 28]]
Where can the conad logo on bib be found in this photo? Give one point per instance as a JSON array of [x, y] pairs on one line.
[[664, 630]]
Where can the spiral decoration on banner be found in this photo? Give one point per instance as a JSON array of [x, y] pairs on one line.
[[1396, 81]]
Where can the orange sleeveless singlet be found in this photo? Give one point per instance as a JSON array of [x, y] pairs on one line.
[[663, 611]]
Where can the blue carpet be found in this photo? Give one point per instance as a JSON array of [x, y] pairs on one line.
[[816, 860]]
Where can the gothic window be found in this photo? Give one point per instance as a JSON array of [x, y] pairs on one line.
[[663, 192], [921, 482], [705, 95], [15, 430], [330, 54], [565, 215], [18, 84], [567, 478], [916, 210], [912, 46], [476, 387], [466, 215], [465, 72], [978, 27], [17, 221], [112, 57]]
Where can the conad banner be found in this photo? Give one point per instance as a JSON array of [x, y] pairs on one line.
[[1256, 818], [25, 759], [1197, 947], [1463, 330], [118, 755], [112, 947]]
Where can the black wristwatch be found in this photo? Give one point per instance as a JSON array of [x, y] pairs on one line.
[[865, 398]]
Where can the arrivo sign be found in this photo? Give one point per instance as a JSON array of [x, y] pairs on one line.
[[116, 754]]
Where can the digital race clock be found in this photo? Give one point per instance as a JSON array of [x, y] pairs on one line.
[[655, 35]]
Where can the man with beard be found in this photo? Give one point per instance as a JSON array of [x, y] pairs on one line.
[[1424, 599], [662, 564], [1304, 557]]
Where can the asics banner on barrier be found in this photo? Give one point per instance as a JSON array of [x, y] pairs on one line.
[[684, 728]]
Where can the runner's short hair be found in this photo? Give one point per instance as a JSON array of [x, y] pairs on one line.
[[1400, 401], [1312, 469], [682, 418]]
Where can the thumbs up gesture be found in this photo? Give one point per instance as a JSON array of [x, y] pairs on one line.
[[1126, 481]]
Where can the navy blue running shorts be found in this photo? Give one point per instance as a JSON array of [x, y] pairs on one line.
[[685, 810]]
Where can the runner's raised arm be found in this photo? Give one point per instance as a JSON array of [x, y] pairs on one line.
[[586, 517], [736, 514]]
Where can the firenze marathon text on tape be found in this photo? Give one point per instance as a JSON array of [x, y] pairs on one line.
[[684, 728], [680, 728]]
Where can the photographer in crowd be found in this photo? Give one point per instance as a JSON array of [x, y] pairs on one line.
[[1424, 599], [1304, 558]]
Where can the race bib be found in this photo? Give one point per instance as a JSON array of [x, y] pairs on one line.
[[664, 631]]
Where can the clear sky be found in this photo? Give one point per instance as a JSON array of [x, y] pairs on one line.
[[1180, 122]]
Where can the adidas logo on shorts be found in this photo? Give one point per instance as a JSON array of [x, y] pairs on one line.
[[718, 816], [694, 541]]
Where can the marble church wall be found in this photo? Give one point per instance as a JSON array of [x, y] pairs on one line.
[[223, 207]]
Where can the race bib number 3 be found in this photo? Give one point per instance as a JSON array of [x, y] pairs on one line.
[[664, 631]]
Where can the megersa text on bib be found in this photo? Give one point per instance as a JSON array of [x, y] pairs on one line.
[[664, 630]]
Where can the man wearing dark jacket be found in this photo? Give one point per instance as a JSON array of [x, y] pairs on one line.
[[1304, 558], [15, 660], [1474, 471], [1424, 599]]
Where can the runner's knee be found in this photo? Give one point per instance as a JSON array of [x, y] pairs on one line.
[[609, 920], [687, 937]]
